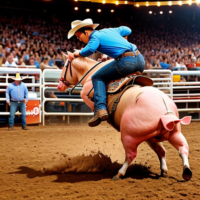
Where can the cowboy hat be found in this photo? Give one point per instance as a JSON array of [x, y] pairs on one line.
[[77, 24], [18, 77]]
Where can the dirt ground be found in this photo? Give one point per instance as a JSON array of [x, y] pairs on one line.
[[90, 157]]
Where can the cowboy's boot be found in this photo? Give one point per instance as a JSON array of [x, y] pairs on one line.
[[24, 127], [10, 128], [99, 116]]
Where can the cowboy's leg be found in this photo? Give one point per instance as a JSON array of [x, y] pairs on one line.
[[111, 71], [23, 113], [13, 109]]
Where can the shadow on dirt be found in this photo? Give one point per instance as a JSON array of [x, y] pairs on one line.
[[135, 172]]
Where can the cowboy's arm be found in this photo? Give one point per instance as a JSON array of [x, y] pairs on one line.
[[91, 47], [124, 31], [7, 95], [25, 94]]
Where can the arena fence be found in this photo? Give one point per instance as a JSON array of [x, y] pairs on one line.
[[66, 104], [186, 93], [55, 103]]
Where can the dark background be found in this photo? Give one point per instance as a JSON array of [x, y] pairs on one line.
[[64, 9]]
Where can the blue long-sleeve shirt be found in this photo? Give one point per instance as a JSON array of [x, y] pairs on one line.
[[109, 41], [16, 92]]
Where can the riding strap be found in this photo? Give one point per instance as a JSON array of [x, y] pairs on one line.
[[84, 76]]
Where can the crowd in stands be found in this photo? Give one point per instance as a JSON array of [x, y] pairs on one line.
[[38, 42]]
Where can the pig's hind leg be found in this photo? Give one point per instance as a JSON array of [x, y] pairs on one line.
[[177, 139], [160, 151]]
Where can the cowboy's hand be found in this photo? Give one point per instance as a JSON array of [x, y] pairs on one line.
[[77, 53], [24, 101], [9, 104]]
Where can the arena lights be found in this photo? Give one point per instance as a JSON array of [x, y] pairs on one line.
[[137, 5], [87, 10], [170, 11], [112, 11], [76, 8], [99, 10], [150, 12], [161, 12], [144, 3]]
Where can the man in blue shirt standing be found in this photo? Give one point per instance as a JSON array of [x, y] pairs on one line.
[[112, 42], [17, 97]]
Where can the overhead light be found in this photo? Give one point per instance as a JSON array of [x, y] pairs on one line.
[[76, 8], [117, 3], [126, 2], [87, 10], [161, 12], [137, 5], [150, 12], [112, 11], [170, 11], [99, 10], [180, 3], [147, 3], [158, 4], [190, 2], [170, 3], [198, 1], [75, 0], [103, 1]]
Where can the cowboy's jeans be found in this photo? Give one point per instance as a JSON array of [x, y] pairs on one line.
[[13, 108], [111, 71]]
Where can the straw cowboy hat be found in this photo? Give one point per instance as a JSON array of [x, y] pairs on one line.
[[18, 77], [77, 24]]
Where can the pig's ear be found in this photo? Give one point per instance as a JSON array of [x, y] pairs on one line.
[[70, 56]]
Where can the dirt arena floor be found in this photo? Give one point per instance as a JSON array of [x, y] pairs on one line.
[[90, 157]]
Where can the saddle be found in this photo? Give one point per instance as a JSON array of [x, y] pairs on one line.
[[116, 89]]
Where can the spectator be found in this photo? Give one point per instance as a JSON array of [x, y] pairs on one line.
[[17, 97], [33, 61], [44, 64], [9, 61]]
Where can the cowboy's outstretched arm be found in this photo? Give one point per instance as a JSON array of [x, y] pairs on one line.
[[91, 47]]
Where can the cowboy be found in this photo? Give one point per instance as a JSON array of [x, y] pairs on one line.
[[17, 97], [112, 42]]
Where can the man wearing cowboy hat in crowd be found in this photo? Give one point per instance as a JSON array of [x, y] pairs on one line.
[[17, 97], [112, 42]]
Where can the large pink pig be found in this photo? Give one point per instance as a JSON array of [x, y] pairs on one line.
[[143, 114]]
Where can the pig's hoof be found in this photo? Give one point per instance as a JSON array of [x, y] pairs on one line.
[[187, 173], [164, 173], [43, 170], [115, 178]]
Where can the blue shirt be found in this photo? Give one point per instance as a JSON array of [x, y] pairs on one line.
[[109, 41], [16, 92]]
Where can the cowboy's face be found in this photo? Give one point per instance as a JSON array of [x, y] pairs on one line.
[[83, 37]]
